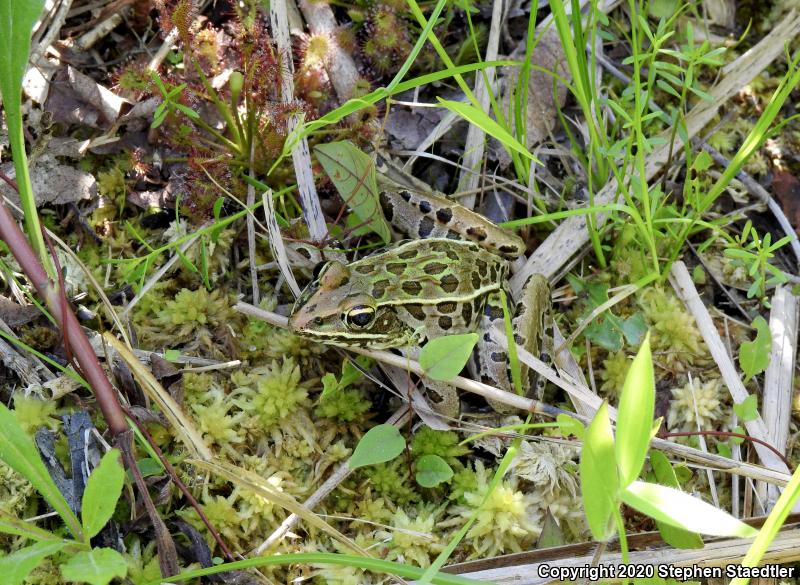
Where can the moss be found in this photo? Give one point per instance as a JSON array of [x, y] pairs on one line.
[[414, 539], [613, 373], [507, 520], [34, 413], [445, 444], [343, 405], [392, 480], [676, 340], [696, 405], [270, 393]]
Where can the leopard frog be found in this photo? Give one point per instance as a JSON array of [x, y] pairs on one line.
[[448, 282]]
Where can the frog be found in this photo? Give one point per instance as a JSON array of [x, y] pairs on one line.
[[449, 279]]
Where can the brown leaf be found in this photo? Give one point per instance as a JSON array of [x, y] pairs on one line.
[[786, 189]]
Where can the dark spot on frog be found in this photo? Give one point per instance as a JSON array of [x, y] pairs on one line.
[[405, 195], [477, 233], [493, 312], [379, 288], [448, 283], [476, 280], [425, 206], [444, 214], [519, 339], [434, 268], [445, 322], [364, 269], [311, 308], [412, 287], [448, 307], [304, 253], [477, 306], [451, 255], [396, 268], [487, 336], [386, 205], [426, 226], [408, 254], [466, 313], [498, 357], [506, 249], [453, 235], [493, 272], [416, 311], [482, 266]]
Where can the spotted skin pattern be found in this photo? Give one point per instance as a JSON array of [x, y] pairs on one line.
[[448, 282]]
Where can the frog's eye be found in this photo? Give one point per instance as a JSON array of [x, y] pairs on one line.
[[360, 316]]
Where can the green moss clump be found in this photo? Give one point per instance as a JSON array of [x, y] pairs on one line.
[[270, 393], [445, 444]]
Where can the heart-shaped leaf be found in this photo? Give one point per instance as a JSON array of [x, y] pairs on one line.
[[444, 357], [380, 444]]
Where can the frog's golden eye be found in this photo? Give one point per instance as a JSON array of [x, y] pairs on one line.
[[360, 316]]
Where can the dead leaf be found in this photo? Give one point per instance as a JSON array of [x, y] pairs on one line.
[[75, 98], [54, 182], [542, 108], [786, 189], [14, 314]]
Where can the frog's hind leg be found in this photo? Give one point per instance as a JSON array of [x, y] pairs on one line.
[[529, 322]]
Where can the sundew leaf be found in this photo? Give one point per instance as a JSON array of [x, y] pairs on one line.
[[754, 355], [432, 470], [353, 173], [97, 566], [103, 489], [679, 509], [598, 470], [380, 444], [16, 566], [443, 358], [635, 415]]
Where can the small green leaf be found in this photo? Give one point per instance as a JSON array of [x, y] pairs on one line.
[[570, 426], [172, 355], [678, 509], [329, 385], [97, 566], [754, 355], [635, 415], [380, 444], [432, 470], [443, 358], [478, 117], [603, 333], [353, 173], [633, 328], [18, 451], [665, 475], [103, 489], [16, 566], [747, 409], [598, 472]]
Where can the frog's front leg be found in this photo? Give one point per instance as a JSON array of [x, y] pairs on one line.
[[529, 323]]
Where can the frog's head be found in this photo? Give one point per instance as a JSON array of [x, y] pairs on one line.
[[334, 309]]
